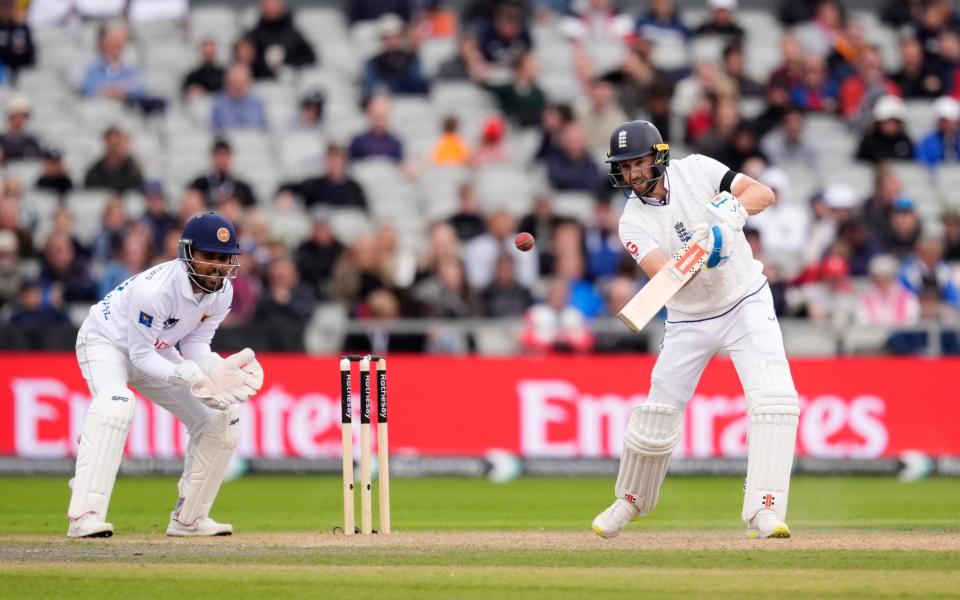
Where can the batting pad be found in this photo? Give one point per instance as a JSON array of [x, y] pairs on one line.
[[653, 432], [205, 466], [774, 411], [101, 449]]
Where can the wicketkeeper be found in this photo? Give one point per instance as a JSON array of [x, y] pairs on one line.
[[727, 306], [130, 339]]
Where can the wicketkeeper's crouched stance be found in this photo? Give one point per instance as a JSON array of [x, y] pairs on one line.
[[727, 306], [129, 340]]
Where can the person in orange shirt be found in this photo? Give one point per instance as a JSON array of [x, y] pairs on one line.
[[450, 150], [434, 21]]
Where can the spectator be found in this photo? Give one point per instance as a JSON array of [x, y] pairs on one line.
[[245, 53], [53, 173], [784, 227], [596, 20], [11, 268], [445, 293], [277, 40], [63, 277], [951, 236], [819, 35], [790, 72], [932, 310], [450, 150], [503, 40], [377, 142], [62, 222], [831, 298], [848, 50], [859, 243], [724, 123], [11, 220], [837, 204], [16, 41], [359, 272], [916, 78], [335, 188], [114, 228], [132, 258], [886, 303], [285, 300], [247, 289], [927, 267], [480, 253], [31, 309], [583, 295], [865, 88], [218, 184], [816, 92], [116, 170], [236, 107], [311, 111], [396, 69], [384, 306], [599, 113], [504, 297], [573, 169], [904, 229], [207, 77], [492, 149], [662, 22], [158, 221], [316, 256], [521, 99], [790, 145], [553, 121], [458, 67], [554, 325], [636, 78], [943, 144], [876, 209], [948, 62], [604, 251], [371, 10], [109, 76], [442, 243], [733, 69], [886, 139], [542, 223], [16, 143], [468, 222], [722, 21]]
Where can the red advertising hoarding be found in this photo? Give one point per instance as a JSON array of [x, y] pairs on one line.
[[556, 406]]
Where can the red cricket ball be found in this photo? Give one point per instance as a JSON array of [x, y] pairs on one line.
[[523, 241]]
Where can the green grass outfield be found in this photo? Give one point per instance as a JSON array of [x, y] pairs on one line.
[[468, 538]]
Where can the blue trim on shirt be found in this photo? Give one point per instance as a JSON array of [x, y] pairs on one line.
[[726, 312]]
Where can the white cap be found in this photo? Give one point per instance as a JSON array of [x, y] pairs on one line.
[[8, 241], [946, 107], [840, 195], [889, 107], [389, 24], [18, 104], [883, 265], [727, 4]]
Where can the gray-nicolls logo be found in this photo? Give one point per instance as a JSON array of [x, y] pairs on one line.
[[682, 231], [622, 139]]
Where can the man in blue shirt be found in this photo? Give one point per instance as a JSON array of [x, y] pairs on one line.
[[377, 142], [236, 107], [108, 76], [942, 144]]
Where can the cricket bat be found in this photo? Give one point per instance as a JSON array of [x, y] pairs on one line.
[[667, 282]]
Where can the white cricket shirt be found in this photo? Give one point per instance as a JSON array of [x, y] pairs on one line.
[[149, 313], [691, 182]]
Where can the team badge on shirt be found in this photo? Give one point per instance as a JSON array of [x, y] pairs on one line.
[[145, 319], [682, 231], [170, 323]]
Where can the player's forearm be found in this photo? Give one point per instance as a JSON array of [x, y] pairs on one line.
[[755, 197], [151, 363]]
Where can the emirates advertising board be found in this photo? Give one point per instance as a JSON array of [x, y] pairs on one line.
[[546, 407]]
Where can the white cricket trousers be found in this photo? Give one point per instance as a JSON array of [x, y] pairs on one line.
[[748, 331], [104, 365]]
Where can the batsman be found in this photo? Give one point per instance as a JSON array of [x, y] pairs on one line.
[[727, 306], [130, 339]]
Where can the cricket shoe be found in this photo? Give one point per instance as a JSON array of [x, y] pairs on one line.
[[766, 524], [90, 525], [204, 527], [611, 522]]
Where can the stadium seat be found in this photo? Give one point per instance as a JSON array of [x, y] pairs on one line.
[[39, 205], [348, 223], [802, 337], [326, 329], [576, 205], [865, 340], [504, 188], [87, 207], [301, 153], [434, 52], [454, 96]]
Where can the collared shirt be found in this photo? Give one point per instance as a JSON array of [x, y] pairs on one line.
[[644, 227], [238, 113], [151, 312], [101, 74]]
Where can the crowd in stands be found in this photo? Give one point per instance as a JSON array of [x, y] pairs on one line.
[[558, 77]]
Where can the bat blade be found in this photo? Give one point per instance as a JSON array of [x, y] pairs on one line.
[[654, 295]]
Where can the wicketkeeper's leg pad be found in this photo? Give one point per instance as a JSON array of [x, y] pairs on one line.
[[205, 466], [101, 449], [652, 434], [774, 411]]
